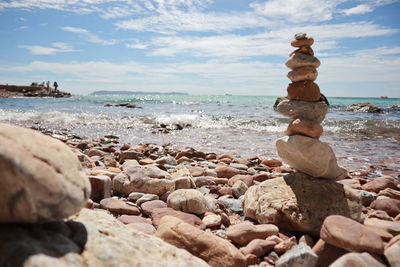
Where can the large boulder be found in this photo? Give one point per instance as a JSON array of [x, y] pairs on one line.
[[298, 60], [364, 107], [92, 238], [40, 177], [310, 156], [143, 179], [312, 111], [299, 202], [211, 248]]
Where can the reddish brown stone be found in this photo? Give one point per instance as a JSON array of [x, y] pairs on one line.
[[303, 90], [119, 206], [353, 183], [148, 206], [227, 172], [258, 247], [245, 232], [191, 219], [101, 187], [304, 127], [327, 253], [304, 49], [350, 235], [247, 179], [303, 42], [271, 162], [391, 206], [261, 177], [380, 183], [225, 191]]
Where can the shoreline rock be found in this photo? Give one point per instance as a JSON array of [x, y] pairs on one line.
[[7, 91]]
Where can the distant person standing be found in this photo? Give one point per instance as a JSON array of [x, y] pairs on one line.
[[48, 84], [55, 85]]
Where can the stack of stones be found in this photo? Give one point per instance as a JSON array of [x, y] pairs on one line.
[[304, 103]]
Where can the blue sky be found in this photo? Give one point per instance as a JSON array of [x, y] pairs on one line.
[[199, 46]]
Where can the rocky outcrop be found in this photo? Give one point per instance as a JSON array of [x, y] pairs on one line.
[[298, 202], [364, 107], [91, 238], [30, 91], [40, 177]]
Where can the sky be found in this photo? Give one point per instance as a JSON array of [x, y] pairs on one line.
[[199, 46]]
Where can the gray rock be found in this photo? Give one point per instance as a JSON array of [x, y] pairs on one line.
[[232, 204], [310, 156], [312, 111], [298, 60], [298, 202], [134, 196], [190, 201], [239, 188], [40, 177], [357, 259], [366, 197], [144, 179], [92, 238], [300, 36], [299, 256], [167, 160]]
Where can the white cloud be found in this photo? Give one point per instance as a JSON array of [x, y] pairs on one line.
[[137, 46], [89, 37], [360, 9], [56, 48], [178, 21], [297, 11]]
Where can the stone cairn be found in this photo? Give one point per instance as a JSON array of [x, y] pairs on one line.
[[304, 103]]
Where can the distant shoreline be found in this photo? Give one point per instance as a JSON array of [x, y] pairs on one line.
[[105, 92]]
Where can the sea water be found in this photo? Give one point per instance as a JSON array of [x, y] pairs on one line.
[[239, 125]]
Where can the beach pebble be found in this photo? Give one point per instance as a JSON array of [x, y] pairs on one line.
[[294, 202], [258, 247], [158, 214], [227, 172], [392, 251], [127, 219], [304, 127], [303, 91], [149, 206], [239, 189], [245, 232], [312, 111], [377, 184], [380, 214], [101, 187], [214, 250], [169, 160], [134, 196], [300, 255], [366, 197], [353, 183], [298, 60], [40, 177], [130, 154], [303, 73], [389, 192], [191, 201], [391, 206], [95, 152], [327, 253], [271, 162], [357, 259], [285, 245], [232, 204], [143, 179], [392, 227], [146, 198], [212, 220], [119, 206], [310, 156], [350, 235]]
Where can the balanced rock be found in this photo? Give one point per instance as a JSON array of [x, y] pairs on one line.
[[307, 41], [304, 49], [92, 238], [298, 60], [213, 249], [312, 111], [310, 156], [304, 91], [191, 201], [304, 127], [303, 73], [298, 202], [145, 179], [350, 235], [40, 177]]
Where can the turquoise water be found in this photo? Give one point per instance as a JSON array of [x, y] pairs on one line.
[[241, 125]]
